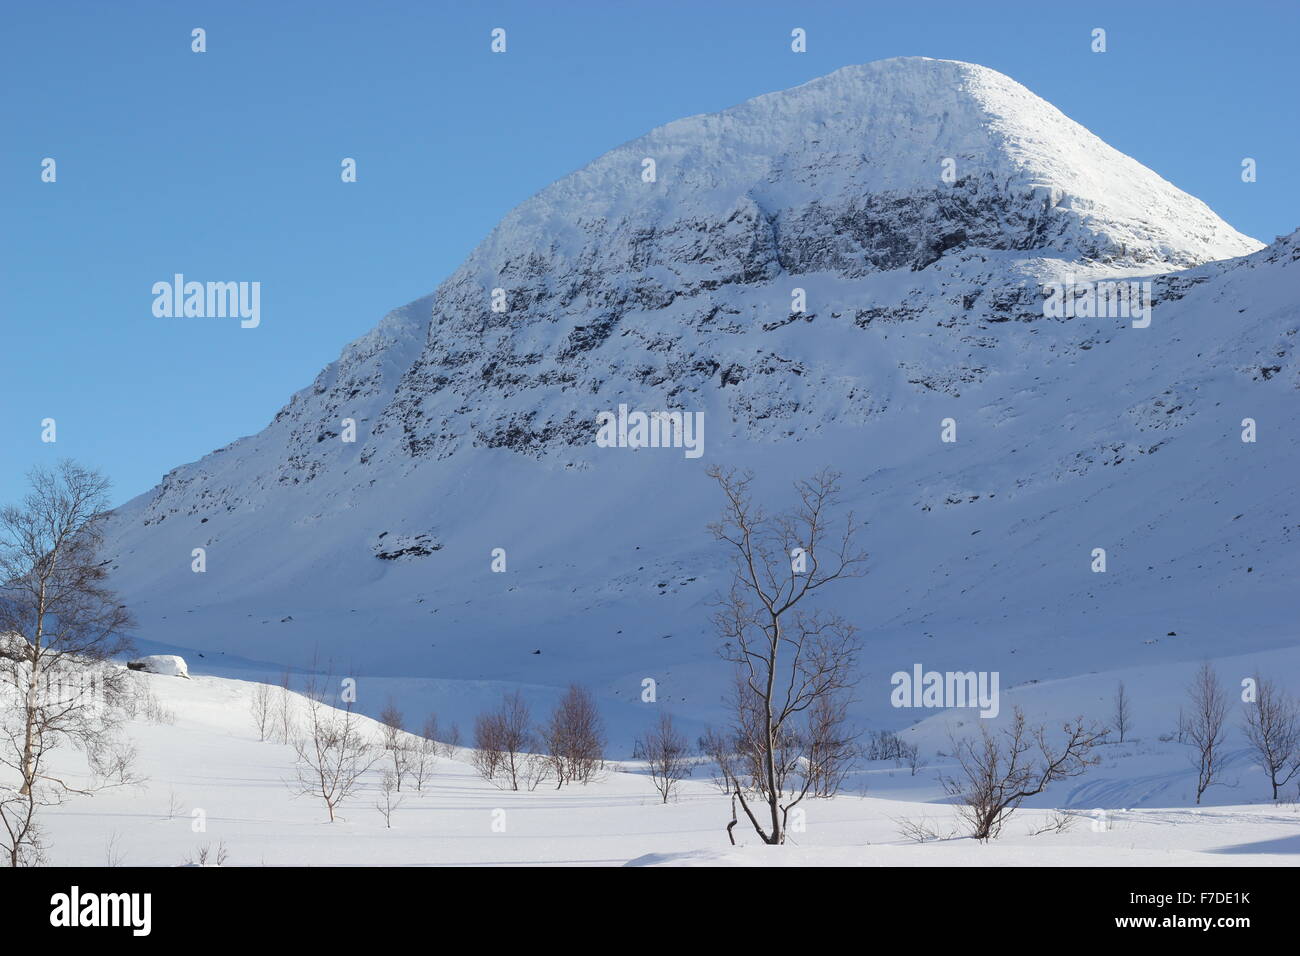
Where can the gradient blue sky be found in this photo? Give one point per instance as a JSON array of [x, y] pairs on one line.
[[225, 165]]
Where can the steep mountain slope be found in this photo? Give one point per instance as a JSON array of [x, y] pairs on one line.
[[476, 428]]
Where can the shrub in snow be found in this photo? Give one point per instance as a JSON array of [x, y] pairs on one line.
[[167, 664]]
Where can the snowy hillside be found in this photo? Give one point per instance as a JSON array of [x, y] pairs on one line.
[[924, 301]]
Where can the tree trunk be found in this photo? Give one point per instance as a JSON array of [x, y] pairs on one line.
[[773, 797], [29, 755], [29, 735]]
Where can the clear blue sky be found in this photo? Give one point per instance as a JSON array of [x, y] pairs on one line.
[[225, 165]]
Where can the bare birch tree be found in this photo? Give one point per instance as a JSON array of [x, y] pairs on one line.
[[450, 740], [574, 737], [667, 755], [830, 745], [395, 740], [387, 802], [260, 708], [487, 754], [788, 657], [60, 626], [1205, 726], [333, 751], [283, 717], [502, 740], [422, 756], [1273, 728], [1000, 770], [720, 750], [1121, 716]]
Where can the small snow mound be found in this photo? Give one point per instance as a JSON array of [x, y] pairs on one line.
[[168, 665]]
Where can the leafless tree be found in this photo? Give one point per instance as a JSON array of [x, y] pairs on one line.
[[667, 754], [912, 757], [1058, 821], [431, 729], [203, 854], [149, 704], [923, 830], [113, 853], [23, 840], [832, 744], [388, 801], [60, 626], [1273, 728], [114, 763], [502, 740], [575, 737], [1120, 715], [333, 752], [395, 743], [422, 753], [260, 707], [534, 770], [788, 657], [451, 742], [720, 750], [886, 745], [487, 755], [999, 770], [284, 717], [1205, 726]]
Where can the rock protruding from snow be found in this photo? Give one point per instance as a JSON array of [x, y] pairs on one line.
[[169, 665]]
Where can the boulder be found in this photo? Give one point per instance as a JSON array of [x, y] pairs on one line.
[[167, 664]]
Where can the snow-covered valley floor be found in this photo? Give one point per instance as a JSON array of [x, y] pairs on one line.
[[204, 757]]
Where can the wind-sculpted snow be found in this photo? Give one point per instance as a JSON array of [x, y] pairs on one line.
[[924, 300]]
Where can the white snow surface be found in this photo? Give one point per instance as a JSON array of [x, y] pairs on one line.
[[200, 752]]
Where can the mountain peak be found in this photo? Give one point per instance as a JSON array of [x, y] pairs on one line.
[[898, 189], [866, 169]]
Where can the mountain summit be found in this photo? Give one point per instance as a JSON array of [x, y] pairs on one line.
[[823, 274], [847, 173]]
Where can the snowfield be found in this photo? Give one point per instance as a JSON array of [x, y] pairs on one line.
[[210, 760]]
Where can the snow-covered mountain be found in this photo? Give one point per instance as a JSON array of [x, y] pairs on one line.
[[920, 208]]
